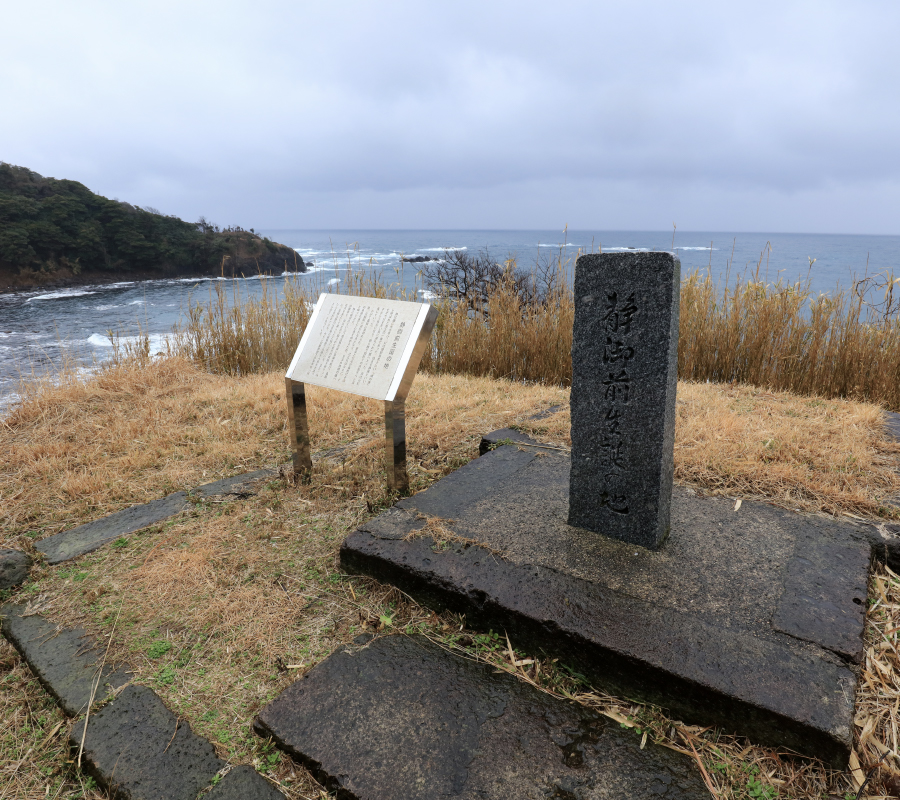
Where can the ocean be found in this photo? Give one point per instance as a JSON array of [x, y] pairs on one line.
[[37, 325]]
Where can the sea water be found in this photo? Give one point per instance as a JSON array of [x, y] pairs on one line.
[[37, 326]]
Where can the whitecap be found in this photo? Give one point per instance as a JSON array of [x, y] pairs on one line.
[[136, 303], [157, 341], [427, 295], [439, 249], [115, 285], [7, 401], [334, 281], [106, 308], [696, 248], [324, 268], [60, 294], [626, 249], [99, 340]]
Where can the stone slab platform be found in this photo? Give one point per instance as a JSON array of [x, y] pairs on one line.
[[402, 718], [749, 620]]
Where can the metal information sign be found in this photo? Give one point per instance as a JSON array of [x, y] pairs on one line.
[[364, 346]]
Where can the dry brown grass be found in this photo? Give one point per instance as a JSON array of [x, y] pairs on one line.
[[786, 337], [778, 335], [802, 453], [233, 336], [85, 448], [506, 337], [33, 739], [220, 608], [877, 748]]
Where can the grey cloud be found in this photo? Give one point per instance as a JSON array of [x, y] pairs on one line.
[[376, 114]]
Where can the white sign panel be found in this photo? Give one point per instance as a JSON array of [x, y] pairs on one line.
[[358, 344]]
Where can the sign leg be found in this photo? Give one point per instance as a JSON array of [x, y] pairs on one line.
[[395, 434], [298, 427]]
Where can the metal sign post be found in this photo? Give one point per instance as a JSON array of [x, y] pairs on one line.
[[365, 346], [298, 426]]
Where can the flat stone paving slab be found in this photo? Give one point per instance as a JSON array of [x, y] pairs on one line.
[[750, 620], [137, 749], [86, 538], [129, 747], [65, 661], [402, 718], [494, 439], [93, 535], [244, 783], [239, 485]]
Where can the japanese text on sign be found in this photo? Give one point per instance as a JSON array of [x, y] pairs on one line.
[[355, 344], [618, 351]]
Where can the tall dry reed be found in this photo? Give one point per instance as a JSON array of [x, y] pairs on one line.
[[785, 337], [506, 337], [242, 336], [775, 335]]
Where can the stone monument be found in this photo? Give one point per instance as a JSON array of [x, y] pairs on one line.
[[751, 620], [624, 376]]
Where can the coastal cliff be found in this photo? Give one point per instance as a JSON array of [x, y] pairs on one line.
[[59, 233]]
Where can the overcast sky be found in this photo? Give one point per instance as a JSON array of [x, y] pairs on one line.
[[781, 116]]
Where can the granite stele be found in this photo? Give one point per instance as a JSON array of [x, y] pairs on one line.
[[366, 346], [748, 618], [624, 375]]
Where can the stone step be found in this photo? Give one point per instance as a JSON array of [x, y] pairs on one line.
[[749, 620], [399, 717]]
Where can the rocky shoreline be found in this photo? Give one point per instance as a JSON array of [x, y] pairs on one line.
[[283, 259]]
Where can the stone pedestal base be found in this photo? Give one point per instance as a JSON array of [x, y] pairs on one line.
[[751, 620]]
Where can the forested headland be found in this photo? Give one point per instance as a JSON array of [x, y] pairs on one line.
[[58, 232]]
